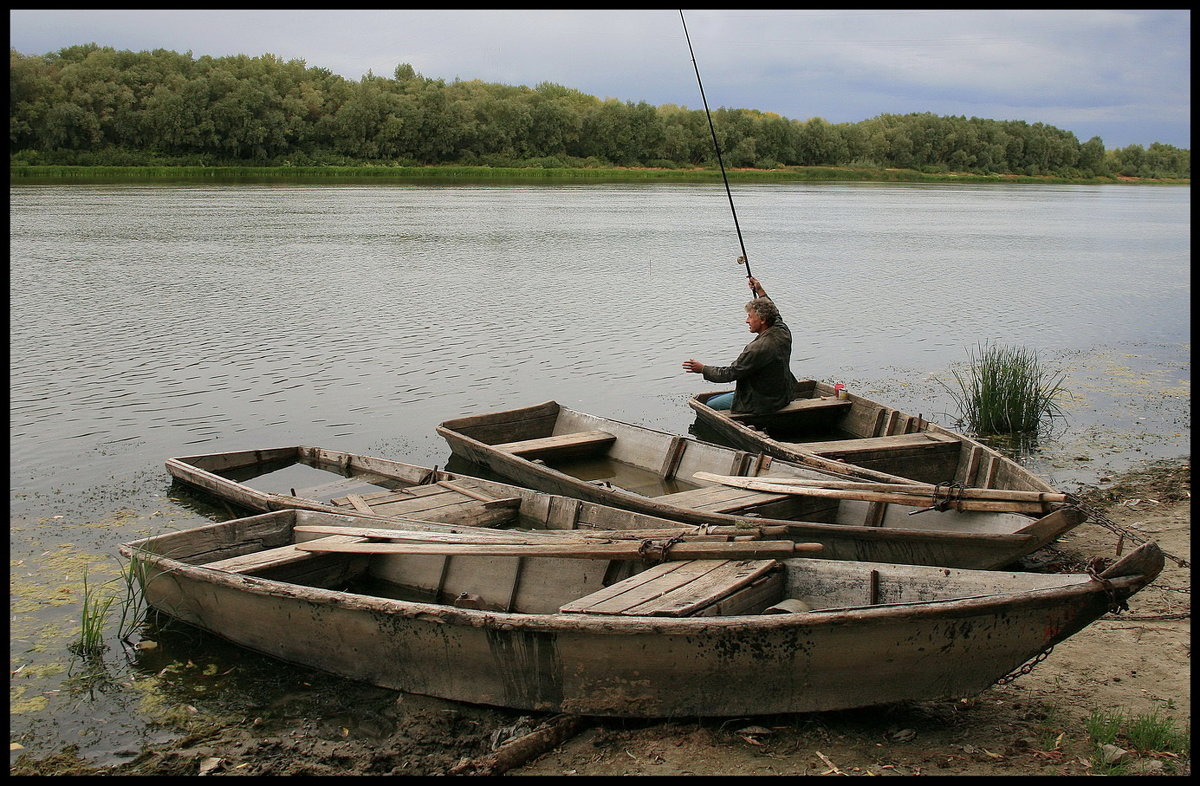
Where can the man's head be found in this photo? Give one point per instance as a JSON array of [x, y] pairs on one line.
[[761, 314]]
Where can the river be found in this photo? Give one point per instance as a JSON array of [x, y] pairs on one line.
[[149, 321]]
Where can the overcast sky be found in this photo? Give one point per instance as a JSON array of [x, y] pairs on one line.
[[1121, 75]]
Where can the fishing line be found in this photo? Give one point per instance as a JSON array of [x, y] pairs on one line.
[[745, 260]]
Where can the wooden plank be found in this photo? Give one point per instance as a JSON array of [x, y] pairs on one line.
[[653, 581], [741, 463], [359, 504], [427, 536], [920, 499], [461, 489], [673, 589], [574, 444], [384, 497], [674, 456], [921, 439], [752, 549], [875, 514], [720, 499], [902, 488], [798, 405], [877, 429], [993, 466], [972, 465], [276, 557], [468, 513], [341, 484], [706, 589]]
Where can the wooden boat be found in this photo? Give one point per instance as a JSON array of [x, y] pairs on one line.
[[446, 611], [332, 481], [870, 440], [561, 451]]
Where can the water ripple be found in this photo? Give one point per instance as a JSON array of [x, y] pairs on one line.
[[175, 316]]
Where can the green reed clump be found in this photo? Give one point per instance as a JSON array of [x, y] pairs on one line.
[[1006, 390], [133, 602], [97, 607], [92, 620]]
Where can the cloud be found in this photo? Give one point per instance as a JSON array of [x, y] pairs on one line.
[[1079, 70]]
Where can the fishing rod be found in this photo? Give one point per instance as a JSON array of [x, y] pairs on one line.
[[745, 259]]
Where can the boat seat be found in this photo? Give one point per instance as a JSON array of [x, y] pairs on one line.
[[688, 588], [796, 406], [280, 556], [721, 499], [579, 443], [918, 440]]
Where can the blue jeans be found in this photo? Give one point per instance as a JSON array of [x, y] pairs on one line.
[[723, 401]]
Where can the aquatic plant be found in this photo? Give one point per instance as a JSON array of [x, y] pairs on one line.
[[1005, 390], [133, 603], [92, 621]]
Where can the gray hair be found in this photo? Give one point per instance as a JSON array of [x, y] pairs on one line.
[[765, 308]]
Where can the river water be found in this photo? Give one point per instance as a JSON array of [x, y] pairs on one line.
[[154, 321]]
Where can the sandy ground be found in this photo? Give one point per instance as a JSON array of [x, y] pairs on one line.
[[1136, 663]]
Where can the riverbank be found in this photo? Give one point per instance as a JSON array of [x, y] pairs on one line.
[[1136, 664], [99, 175]]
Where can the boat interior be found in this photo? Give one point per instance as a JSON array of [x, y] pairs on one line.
[[866, 434], [267, 546]]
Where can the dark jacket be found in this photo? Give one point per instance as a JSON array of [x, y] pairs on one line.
[[762, 372]]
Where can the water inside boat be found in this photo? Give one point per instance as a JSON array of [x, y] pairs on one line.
[[309, 479], [601, 469]]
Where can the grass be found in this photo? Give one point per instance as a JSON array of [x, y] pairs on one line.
[[1149, 734], [93, 620], [133, 604], [97, 607], [1006, 391]]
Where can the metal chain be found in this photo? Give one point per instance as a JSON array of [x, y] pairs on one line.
[[1026, 668], [1112, 526]]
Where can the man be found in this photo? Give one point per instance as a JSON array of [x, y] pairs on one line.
[[762, 372]]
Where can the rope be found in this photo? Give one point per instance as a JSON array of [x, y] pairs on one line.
[[652, 552]]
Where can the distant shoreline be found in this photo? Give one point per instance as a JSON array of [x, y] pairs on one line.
[[44, 175]]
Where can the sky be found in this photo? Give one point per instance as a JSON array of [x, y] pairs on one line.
[[1121, 75]]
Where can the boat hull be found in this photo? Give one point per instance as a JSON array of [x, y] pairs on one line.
[[828, 659], [848, 530]]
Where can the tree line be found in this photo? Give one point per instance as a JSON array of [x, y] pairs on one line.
[[93, 105]]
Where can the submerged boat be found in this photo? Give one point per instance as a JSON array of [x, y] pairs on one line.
[[331, 481], [561, 451], [852, 434], [454, 612]]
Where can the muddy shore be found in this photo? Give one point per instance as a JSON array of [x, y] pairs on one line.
[[1137, 662]]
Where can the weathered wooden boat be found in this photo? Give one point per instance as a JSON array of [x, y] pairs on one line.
[[332, 481], [855, 435], [445, 611], [561, 451]]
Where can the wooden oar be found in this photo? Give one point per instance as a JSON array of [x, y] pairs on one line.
[[1015, 495], [916, 500], [548, 536], [760, 549]]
